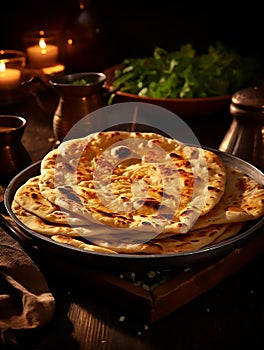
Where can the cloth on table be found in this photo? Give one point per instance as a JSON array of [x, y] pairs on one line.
[[25, 299]]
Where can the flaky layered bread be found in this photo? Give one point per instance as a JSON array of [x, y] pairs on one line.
[[138, 181], [137, 193], [243, 200], [29, 197]]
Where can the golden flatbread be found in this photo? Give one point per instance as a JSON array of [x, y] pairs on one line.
[[36, 224], [135, 181], [28, 196], [243, 201], [193, 240], [91, 231], [81, 245], [230, 232], [136, 193]]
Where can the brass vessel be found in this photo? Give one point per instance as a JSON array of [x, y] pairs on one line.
[[13, 155], [76, 100], [245, 137]]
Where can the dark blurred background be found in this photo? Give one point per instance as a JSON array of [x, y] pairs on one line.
[[134, 28]]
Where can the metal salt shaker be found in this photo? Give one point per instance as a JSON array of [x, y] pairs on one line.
[[245, 137]]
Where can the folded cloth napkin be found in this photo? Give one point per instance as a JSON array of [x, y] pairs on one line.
[[25, 299]]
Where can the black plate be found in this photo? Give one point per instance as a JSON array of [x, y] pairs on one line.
[[134, 262]]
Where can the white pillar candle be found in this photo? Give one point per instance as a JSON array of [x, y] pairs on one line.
[[42, 55], [9, 78]]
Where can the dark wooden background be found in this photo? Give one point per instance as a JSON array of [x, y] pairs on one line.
[[134, 28]]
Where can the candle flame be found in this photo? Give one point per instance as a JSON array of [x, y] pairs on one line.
[[2, 66], [42, 43]]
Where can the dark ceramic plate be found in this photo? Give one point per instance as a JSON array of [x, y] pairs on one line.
[[134, 262]]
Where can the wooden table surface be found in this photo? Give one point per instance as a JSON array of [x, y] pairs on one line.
[[228, 315]]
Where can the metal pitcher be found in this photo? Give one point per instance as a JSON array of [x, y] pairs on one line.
[[80, 94]]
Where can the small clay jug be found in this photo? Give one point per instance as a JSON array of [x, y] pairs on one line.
[[79, 95], [13, 155], [245, 137]]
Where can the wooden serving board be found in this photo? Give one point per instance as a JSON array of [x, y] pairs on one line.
[[170, 295]]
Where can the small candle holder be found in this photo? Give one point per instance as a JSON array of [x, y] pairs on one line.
[[12, 65], [42, 50]]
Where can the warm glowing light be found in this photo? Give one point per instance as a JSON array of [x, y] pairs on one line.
[[42, 44], [2, 66], [9, 78], [42, 54], [53, 69], [70, 41]]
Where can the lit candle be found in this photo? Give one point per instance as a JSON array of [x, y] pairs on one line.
[[9, 78], [42, 55]]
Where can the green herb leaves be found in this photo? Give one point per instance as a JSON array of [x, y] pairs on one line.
[[185, 74]]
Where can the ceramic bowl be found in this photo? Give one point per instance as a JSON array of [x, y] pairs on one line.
[[183, 107]]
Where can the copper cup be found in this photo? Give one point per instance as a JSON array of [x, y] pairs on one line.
[[13, 155]]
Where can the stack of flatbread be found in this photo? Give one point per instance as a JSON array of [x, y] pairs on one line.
[[137, 193]]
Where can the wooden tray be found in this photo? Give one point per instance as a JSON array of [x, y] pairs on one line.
[[170, 295]]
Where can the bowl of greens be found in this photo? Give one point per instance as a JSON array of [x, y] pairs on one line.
[[183, 81]]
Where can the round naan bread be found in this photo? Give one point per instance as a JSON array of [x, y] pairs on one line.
[[29, 197], [37, 224], [243, 201], [193, 240], [81, 245], [91, 231], [107, 242], [134, 181], [136, 193]]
